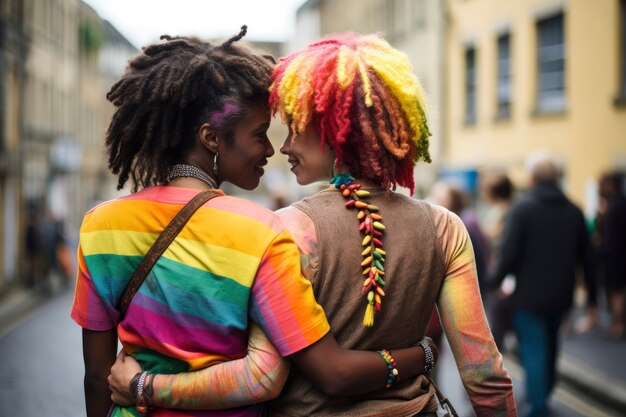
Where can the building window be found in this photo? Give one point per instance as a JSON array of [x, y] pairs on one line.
[[621, 97], [470, 85], [550, 64], [504, 93]]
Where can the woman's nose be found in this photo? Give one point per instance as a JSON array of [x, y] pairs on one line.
[[269, 149], [284, 148]]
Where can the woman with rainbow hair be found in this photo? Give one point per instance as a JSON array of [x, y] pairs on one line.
[[378, 260]]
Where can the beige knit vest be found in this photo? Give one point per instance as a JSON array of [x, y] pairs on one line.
[[414, 271]]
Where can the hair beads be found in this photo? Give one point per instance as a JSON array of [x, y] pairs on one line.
[[370, 224]]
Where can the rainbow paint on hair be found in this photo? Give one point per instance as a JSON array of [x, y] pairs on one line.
[[218, 117], [364, 100]]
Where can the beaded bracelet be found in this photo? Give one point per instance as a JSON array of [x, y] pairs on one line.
[[141, 405], [429, 358], [132, 386], [392, 376]]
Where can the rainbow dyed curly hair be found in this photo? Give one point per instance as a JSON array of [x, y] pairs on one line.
[[364, 100]]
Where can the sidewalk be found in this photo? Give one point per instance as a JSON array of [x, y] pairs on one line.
[[15, 305], [596, 365], [591, 364], [19, 302]]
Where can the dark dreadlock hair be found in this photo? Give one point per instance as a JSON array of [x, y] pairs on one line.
[[167, 91]]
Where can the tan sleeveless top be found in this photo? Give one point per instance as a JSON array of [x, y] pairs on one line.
[[414, 271]]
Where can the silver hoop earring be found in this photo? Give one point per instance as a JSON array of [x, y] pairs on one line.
[[215, 165]]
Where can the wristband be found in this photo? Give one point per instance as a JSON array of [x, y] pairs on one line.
[[429, 358], [141, 406], [132, 386]]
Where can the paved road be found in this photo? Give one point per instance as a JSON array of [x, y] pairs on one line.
[[565, 402], [42, 366]]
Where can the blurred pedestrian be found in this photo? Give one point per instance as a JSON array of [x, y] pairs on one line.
[[544, 240], [498, 191], [58, 255], [612, 248], [35, 262], [456, 200]]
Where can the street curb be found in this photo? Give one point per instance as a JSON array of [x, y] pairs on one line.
[[605, 389]]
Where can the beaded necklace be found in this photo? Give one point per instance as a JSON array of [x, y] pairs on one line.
[[370, 224]]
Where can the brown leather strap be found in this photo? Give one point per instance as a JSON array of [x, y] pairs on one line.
[[160, 245], [439, 393], [443, 400]]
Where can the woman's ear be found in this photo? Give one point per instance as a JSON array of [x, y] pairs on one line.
[[208, 137]]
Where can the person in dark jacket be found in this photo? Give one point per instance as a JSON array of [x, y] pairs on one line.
[[612, 249], [544, 240]]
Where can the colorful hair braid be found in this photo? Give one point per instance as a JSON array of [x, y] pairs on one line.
[[364, 100]]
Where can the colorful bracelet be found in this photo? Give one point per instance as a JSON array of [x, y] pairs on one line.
[[392, 376], [429, 358]]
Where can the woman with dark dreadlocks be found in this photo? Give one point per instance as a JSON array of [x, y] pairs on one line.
[[379, 261], [190, 115]]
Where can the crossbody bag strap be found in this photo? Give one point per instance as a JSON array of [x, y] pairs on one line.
[[160, 245], [443, 400], [432, 382]]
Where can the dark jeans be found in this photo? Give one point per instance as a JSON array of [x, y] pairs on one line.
[[538, 347]]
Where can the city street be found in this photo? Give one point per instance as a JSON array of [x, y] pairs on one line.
[[507, 114], [42, 366], [41, 372], [566, 400]]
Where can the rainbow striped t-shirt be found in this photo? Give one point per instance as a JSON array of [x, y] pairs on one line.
[[233, 261]]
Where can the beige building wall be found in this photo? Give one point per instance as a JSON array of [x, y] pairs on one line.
[[94, 113], [54, 115], [589, 135], [11, 79]]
